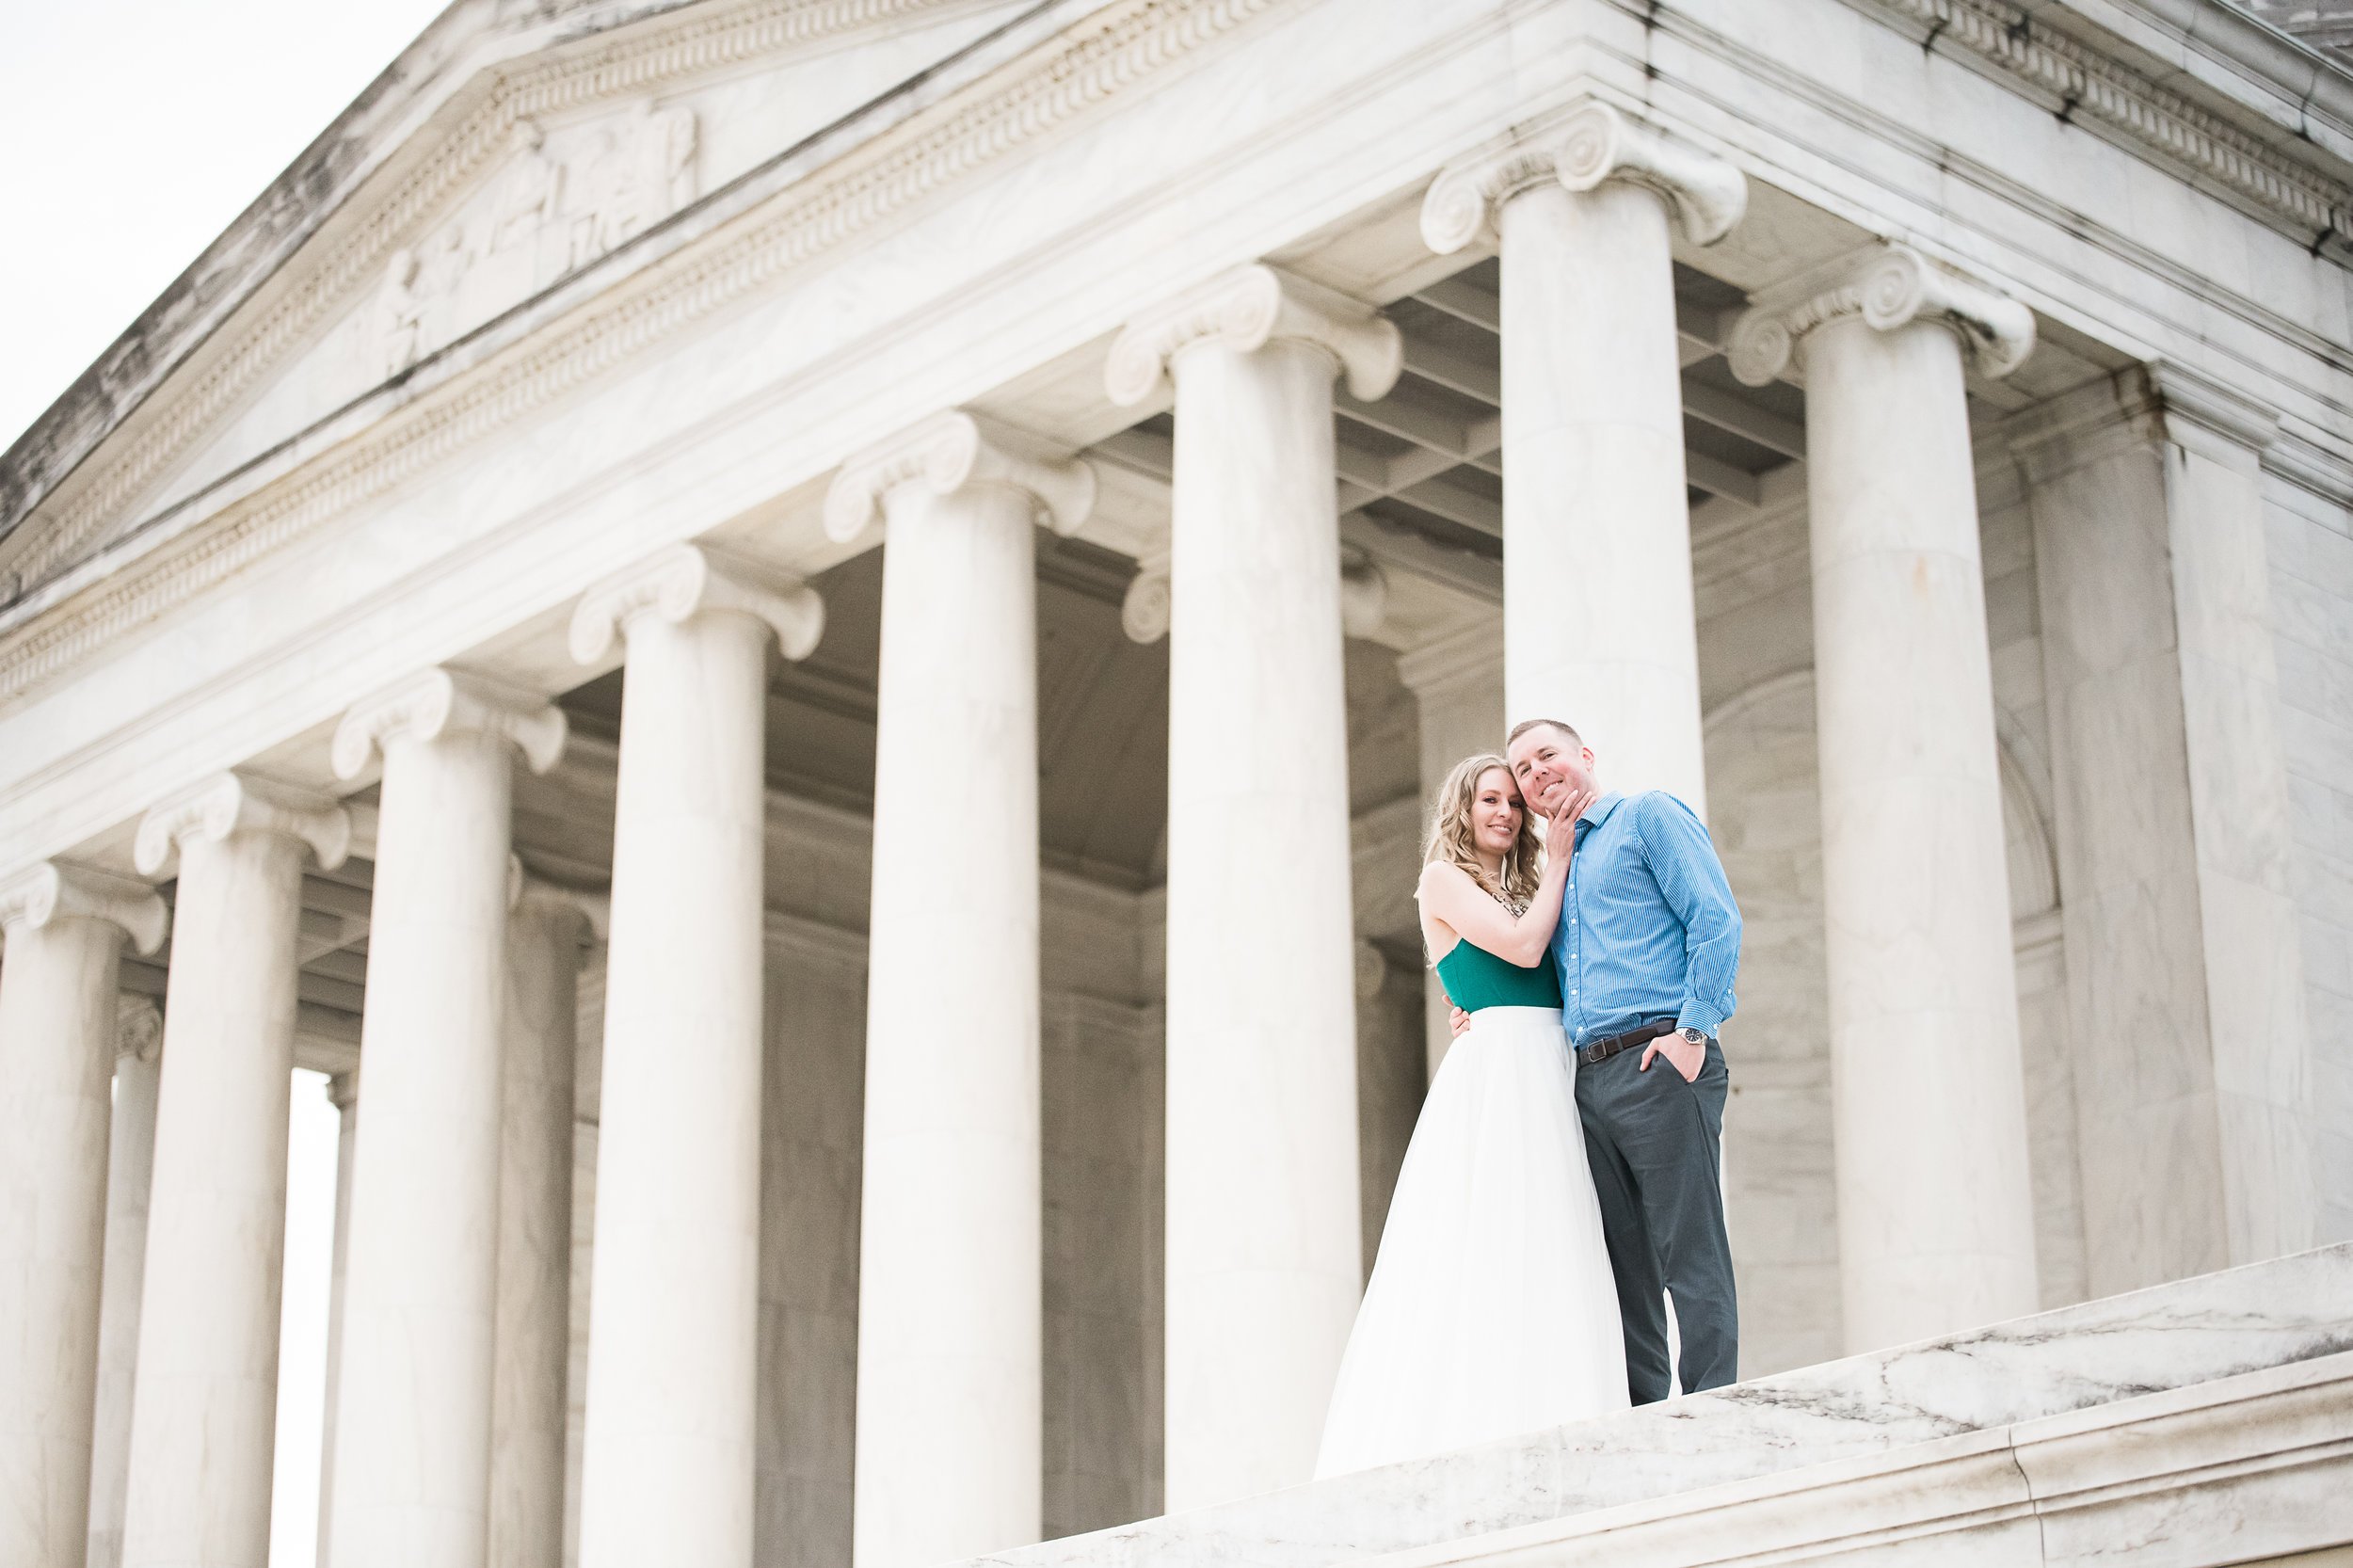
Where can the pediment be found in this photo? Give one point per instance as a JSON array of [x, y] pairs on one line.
[[544, 151]]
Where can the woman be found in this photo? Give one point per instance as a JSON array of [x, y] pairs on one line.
[[1492, 1310]]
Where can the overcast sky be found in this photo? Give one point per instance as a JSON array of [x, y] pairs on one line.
[[137, 131]]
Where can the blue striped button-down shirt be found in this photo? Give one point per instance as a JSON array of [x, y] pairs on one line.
[[1648, 929]]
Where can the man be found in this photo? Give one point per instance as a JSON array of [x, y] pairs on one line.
[[1648, 941]]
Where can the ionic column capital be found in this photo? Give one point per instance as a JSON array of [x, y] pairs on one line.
[[1889, 286], [1593, 143], [436, 702], [1145, 608], [527, 893], [687, 580], [948, 451], [232, 803], [1247, 309], [51, 889], [138, 1028]]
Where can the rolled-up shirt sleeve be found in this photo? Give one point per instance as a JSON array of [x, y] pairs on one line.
[[1682, 859]]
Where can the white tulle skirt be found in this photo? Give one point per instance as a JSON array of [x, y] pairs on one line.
[[1490, 1311]]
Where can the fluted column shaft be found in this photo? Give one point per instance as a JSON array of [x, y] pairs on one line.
[[1935, 1223], [412, 1397], [130, 1169], [950, 1392], [58, 1024], [529, 1402], [1264, 1256], [673, 1352], [1599, 627], [204, 1416]]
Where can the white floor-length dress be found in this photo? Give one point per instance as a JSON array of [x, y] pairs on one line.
[[1492, 1310]]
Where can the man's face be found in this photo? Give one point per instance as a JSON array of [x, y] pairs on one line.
[[1551, 767]]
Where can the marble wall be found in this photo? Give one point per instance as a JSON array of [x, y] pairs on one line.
[[2311, 554]]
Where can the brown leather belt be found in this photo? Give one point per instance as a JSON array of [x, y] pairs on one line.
[[1642, 1035]]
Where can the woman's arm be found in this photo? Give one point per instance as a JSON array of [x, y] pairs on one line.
[[1449, 896]]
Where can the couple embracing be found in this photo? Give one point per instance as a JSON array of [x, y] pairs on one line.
[[1563, 1176]]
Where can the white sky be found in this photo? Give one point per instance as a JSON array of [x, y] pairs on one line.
[[137, 131]]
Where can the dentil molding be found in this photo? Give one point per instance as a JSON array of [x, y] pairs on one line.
[[812, 218], [1593, 143], [230, 803], [686, 580], [2129, 107], [1246, 310], [51, 889], [437, 702], [948, 451], [1888, 286]]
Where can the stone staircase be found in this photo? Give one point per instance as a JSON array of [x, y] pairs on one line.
[[2205, 1422]]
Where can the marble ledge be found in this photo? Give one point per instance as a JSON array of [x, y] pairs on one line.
[[2269, 1332]]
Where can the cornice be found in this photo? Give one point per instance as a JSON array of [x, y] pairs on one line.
[[1043, 94], [2125, 103], [310, 289]]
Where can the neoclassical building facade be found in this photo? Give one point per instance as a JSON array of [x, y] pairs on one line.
[[803, 641]]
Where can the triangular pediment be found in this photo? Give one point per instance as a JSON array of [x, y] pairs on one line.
[[502, 155]]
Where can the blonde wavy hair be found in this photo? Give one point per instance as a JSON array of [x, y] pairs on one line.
[[1449, 836]]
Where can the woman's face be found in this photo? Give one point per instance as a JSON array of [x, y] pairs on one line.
[[1494, 812]]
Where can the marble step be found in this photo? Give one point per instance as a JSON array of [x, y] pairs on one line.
[[2207, 1422]]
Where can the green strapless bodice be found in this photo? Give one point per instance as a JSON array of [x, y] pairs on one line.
[[1475, 978]]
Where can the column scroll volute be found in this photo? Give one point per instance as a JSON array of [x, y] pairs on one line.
[[229, 803], [51, 889], [948, 451], [1888, 286], [437, 701], [1595, 142], [686, 580], [1246, 310]]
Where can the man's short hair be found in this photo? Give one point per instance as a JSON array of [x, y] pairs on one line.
[[1525, 725]]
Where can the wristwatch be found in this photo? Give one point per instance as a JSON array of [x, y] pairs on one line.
[[1691, 1037]]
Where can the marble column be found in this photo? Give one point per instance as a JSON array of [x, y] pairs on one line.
[[668, 1454], [129, 1165], [64, 927], [1935, 1223], [950, 1374], [1263, 1264], [412, 1394], [545, 930], [342, 1092], [1457, 682], [2173, 825], [1598, 620], [204, 1421]]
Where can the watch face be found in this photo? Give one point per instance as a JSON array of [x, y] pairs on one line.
[[1692, 1036]]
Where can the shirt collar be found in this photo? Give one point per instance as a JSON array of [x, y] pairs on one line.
[[1599, 811]]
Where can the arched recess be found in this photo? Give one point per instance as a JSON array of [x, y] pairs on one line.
[[1765, 814]]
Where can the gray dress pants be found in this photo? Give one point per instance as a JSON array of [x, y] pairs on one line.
[[1653, 1144]]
